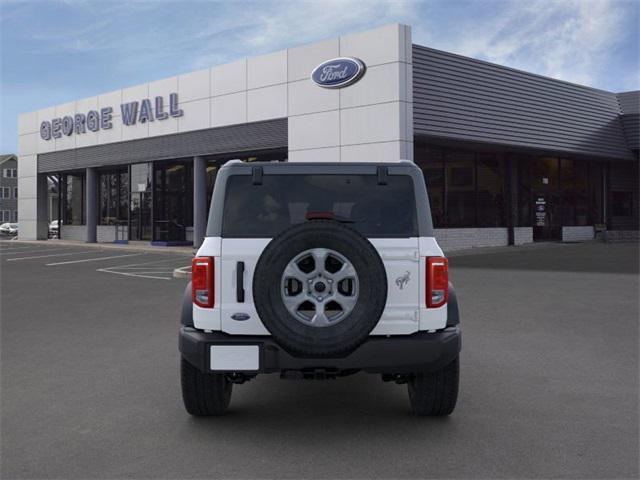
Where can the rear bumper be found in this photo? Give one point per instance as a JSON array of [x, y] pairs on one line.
[[421, 351]]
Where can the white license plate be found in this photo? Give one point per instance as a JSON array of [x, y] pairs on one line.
[[234, 357]]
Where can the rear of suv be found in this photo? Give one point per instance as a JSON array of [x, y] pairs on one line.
[[315, 271]]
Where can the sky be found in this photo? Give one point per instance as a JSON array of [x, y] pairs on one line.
[[55, 51]]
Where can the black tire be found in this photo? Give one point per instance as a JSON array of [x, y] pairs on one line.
[[204, 394], [436, 393], [334, 340]]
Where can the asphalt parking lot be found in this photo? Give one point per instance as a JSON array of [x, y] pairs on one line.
[[549, 379]]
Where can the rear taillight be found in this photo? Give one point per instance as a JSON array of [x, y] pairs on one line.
[[202, 281], [437, 281]]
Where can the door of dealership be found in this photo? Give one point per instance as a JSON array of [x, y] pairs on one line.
[[547, 222]]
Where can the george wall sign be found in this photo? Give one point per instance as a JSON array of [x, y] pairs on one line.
[[94, 120], [338, 72]]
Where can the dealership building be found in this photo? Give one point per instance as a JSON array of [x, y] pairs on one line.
[[509, 157]]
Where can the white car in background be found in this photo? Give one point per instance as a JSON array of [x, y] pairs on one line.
[[9, 229], [54, 229]]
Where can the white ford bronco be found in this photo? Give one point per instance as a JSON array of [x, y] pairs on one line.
[[316, 271]]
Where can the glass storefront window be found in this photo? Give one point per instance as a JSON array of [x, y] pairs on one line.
[[173, 201], [140, 201], [491, 201], [581, 171], [430, 160], [141, 177], [549, 192], [73, 199], [113, 195], [596, 189], [567, 191], [622, 204], [547, 200], [623, 211], [123, 202], [466, 189], [460, 177], [523, 179]]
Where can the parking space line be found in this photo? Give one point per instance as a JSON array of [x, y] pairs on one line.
[[92, 259], [145, 268], [150, 270], [138, 275], [39, 250], [51, 255]]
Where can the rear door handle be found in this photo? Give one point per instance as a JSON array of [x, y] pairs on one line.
[[240, 282]]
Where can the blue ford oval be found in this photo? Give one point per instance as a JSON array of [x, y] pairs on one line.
[[338, 72]]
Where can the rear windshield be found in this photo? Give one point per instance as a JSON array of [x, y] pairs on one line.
[[283, 200]]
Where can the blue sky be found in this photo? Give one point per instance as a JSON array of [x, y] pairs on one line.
[[57, 51]]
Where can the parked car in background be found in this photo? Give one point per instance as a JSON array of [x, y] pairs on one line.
[[9, 229], [54, 229]]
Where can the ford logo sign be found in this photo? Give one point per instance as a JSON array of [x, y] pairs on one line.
[[240, 317], [338, 73]]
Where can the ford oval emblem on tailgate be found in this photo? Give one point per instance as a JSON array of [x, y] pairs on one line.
[[241, 317], [338, 73]]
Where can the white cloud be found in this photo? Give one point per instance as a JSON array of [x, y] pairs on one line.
[[274, 25], [569, 40]]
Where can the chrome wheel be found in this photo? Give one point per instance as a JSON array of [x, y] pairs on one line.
[[319, 287]]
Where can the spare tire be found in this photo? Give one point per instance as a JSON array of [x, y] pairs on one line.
[[320, 288]]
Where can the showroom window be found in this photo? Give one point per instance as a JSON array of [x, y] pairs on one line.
[[596, 192], [73, 191], [491, 200], [623, 211], [466, 189], [430, 160], [523, 179], [622, 204], [113, 198], [571, 190], [173, 200], [460, 184]]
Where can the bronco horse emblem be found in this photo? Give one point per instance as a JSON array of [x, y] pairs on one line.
[[402, 280]]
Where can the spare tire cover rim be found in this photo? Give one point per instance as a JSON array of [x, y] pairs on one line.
[[319, 287]]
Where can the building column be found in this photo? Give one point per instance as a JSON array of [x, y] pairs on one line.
[[91, 205], [42, 216], [199, 200]]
